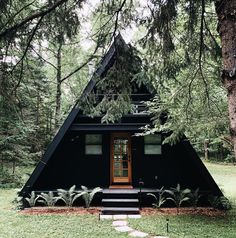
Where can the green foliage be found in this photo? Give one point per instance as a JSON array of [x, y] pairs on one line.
[[88, 196], [160, 200], [178, 195], [6, 178], [112, 98], [220, 202], [48, 199], [27, 87], [18, 203], [194, 197], [68, 196], [176, 55], [32, 199]]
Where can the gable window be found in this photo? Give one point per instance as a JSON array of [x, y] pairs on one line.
[[93, 144], [152, 144]]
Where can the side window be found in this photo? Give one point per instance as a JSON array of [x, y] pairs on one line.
[[93, 144], [152, 144]]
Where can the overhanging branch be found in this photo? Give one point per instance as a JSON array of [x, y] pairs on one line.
[[35, 15]]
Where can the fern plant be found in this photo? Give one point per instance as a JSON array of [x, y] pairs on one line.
[[88, 196], [178, 195], [48, 199], [160, 200], [32, 199], [68, 196]]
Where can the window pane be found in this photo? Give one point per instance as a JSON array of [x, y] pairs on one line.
[[152, 139], [117, 165], [125, 165], [117, 148], [152, 149], [117, 173], [125, 173], [93, 139], [93, 149]]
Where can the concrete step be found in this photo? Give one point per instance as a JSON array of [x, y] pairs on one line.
[[119, 202], [120, 191], [120, 194], [119, 210]]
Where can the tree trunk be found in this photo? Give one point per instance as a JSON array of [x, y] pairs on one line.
[[37, 106], [226, 12], [58, 95], [206, 149]]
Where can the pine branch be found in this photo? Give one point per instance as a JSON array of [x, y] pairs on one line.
[[24, 54], [18, 12], [211, 35], [41, 57], [80, 67], [117, 13], [35, 15]]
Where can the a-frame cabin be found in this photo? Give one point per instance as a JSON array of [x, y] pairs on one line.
[[88, 152]]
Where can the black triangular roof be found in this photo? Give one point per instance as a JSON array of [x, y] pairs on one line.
[[103, 67]]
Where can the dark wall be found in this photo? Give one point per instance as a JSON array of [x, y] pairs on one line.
[[177, 164], [69, 165]]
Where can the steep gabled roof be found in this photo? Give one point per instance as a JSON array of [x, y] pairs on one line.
[[103, 67]]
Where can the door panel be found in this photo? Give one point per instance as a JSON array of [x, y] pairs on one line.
[[120, 158]]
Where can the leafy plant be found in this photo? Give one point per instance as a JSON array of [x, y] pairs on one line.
[[48, 199], [160, 200], [220, 202], [178, 195], [88, 196], [18, 202], [32, 199], [194, 197], [68, 196]]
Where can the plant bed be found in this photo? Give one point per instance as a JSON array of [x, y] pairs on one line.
[[205, 211], [60, 210]]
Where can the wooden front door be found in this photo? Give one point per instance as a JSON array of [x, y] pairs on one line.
[[120, 158]]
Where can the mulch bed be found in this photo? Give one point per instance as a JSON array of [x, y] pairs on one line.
[[206, 211], [61, 210]]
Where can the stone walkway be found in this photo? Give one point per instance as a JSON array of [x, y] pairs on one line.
[[120, 224]]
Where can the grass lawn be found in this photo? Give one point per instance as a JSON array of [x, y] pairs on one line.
[[225, 177], [14, 224], [194, 226]]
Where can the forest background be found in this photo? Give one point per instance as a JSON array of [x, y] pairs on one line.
[[50, 48]]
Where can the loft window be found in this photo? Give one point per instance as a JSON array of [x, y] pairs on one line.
[[152, 144], [93, 144], [139, 108]]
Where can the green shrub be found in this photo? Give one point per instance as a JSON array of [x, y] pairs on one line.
[[178, 195], [194, 197], [48, 199], [220, 202], [9, 180], [19, 203], [160, 200], [88, 196], [68, 196], [32, 199]]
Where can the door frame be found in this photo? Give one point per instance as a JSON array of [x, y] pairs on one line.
[[128, 136]]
